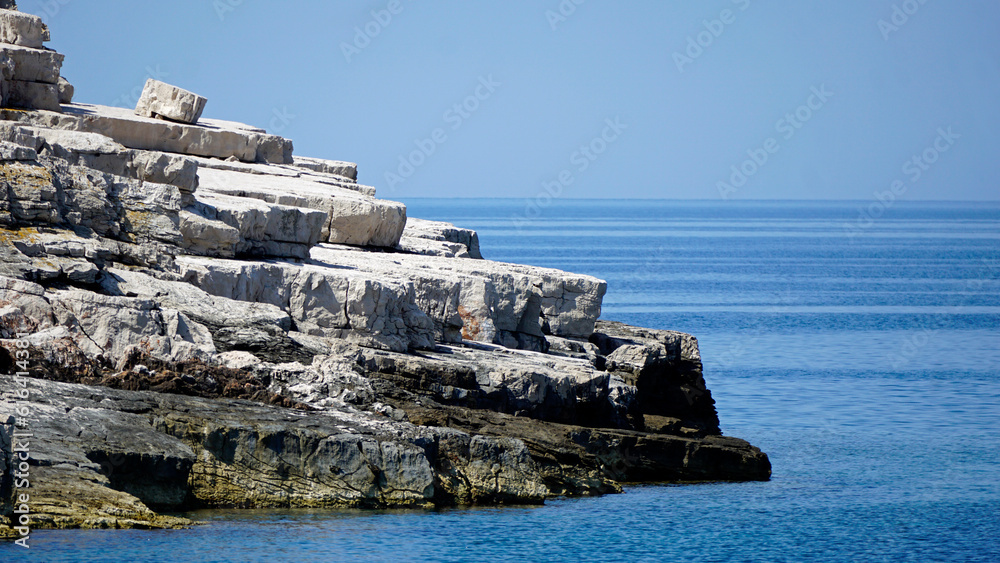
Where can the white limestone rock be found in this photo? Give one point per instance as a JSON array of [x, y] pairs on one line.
[[285, 171], [67, 144], [260, 221], [246, 167], [347, 170], [103, 325], [208, 237], [321, 301], [210, 310], [367, 222], [237, 359], [163, 168], [11, 151], [210, 138], [89, 150], [101, 153], [33, 65], [353, 218], [19, 28], [442, 232], [66, 91], [573, 348], [32, 95], [507, 304], [338, 182], [20, 135], [427, 247], [166, 101]]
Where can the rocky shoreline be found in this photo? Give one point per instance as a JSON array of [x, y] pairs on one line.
[[202, 319]]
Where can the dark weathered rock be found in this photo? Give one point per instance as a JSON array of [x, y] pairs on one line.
[[115, 455], [665, 367], [519, 383], [576, 460]]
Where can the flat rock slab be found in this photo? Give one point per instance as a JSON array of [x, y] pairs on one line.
[[354, 218], [160, 99], [337, 167], [19, 28], [219, 139], [99, 152], [491, 301], [260, 221], [33, 65], [196, 303], [332, 302], [32, 95], [288, 171], [427, 247], [443, 232]]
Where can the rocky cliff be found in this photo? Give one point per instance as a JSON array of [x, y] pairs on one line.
[[192, 316]]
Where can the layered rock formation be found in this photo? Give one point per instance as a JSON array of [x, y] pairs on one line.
[[29, 73], [201, 319]]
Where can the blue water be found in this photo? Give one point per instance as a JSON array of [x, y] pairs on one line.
[[866, 366]]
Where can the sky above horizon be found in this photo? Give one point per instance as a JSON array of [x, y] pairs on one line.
[[720, 99]]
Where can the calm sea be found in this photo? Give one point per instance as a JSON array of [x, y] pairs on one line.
[[862, 354]]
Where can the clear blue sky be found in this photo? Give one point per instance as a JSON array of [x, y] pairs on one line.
[[547, 86]]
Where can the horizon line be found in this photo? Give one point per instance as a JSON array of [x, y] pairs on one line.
[[772, 200]]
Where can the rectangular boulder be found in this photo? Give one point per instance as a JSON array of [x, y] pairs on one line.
[[19, 28], [336, 167], [32, 95], [33, 65], [353, 218], [160, 99]]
